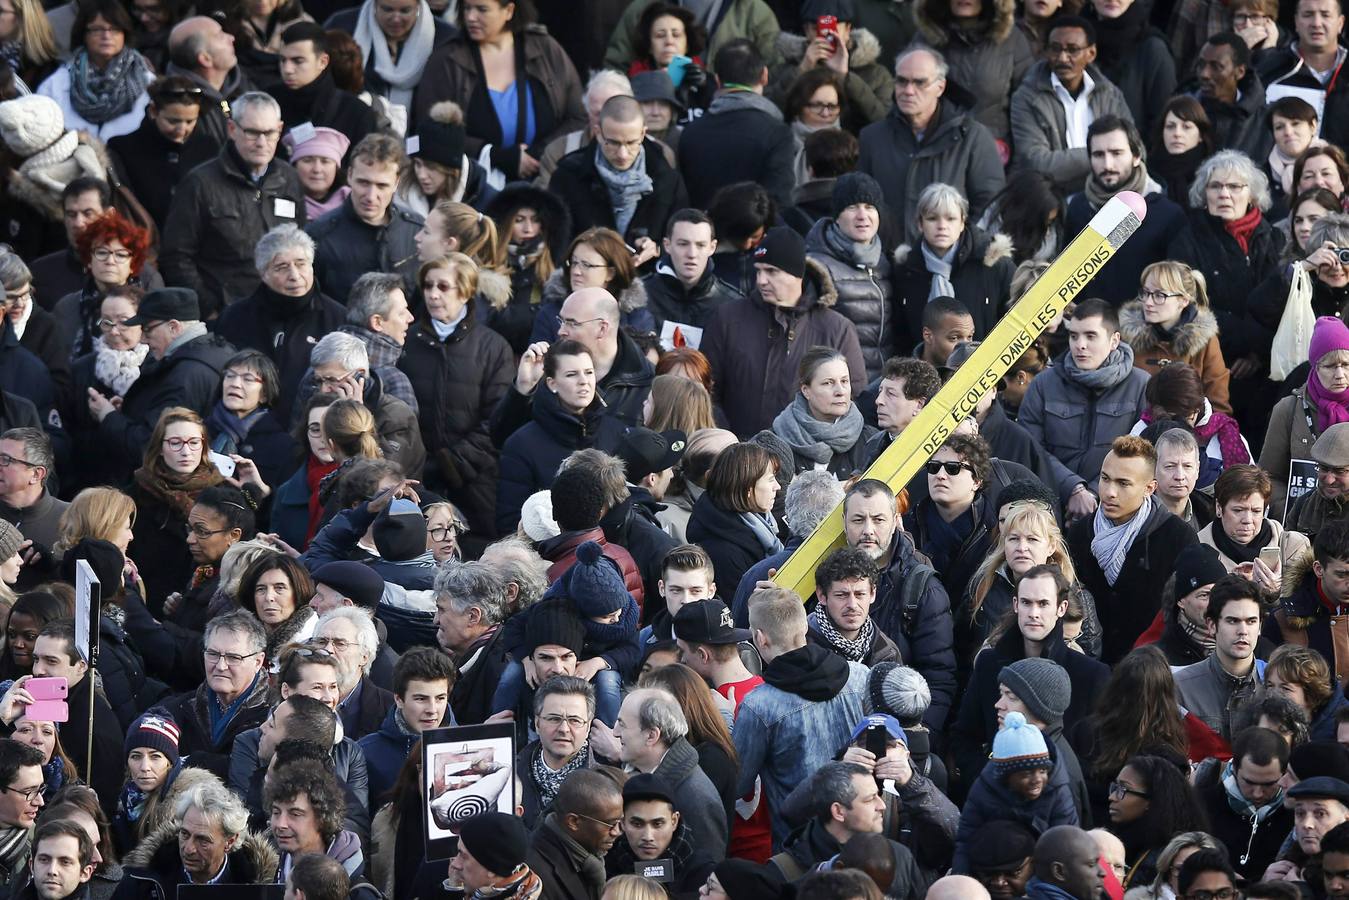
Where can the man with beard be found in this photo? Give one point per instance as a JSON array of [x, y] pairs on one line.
[[1118, 160]]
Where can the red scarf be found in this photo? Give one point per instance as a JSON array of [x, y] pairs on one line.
[[314, 471], [1241, 229]]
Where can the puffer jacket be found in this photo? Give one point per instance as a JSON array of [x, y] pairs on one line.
[[755, 350], [864, 296], [459, 381], [990, 799], [1293, 428], [217, 217], [1194, 340], [347, 248], [981, 275], [989, 59], [1040, 125], [868, 87], [750, 19], [956, 149], [669, 301]]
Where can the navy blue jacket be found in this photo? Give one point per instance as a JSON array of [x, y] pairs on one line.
[[1118, 280]]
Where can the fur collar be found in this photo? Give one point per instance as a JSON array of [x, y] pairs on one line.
[[633, 297], [495, 288], [864, 49], [254, 851], [160, 812], [90, 158], [824, 283], [1294, 571], [998, 247], [933, 18], [1187, 341]]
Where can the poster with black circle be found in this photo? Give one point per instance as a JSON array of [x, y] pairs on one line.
[[466, 770]]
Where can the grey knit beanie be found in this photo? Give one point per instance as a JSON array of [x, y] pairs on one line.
[[1042, 685], [10, 540], [899, 691]]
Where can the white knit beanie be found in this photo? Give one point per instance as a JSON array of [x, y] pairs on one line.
[[30, 124], [536, 517]]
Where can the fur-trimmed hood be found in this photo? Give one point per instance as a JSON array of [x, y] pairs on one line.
[[495, 288], [1298, 607], [933, 18], [995, 247], [554, 217], [632, 297], [864, 48], [254, 858], [41, 189], [1188, 339], [826, 294]]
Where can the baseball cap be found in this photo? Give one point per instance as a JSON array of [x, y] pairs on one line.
[[892, 727], [645, 452], [707, 622]]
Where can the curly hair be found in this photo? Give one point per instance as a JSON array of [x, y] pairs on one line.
[[109, 227], [1306, 668], [325, 797], [975, 451], [1137, 711], [804, 88], [694, 33]]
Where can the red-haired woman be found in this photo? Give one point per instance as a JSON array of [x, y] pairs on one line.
[[114, 252]]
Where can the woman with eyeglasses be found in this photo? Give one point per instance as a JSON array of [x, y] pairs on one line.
[[444, 526], [1171, 322], [102, 90], [822, 425], [1151, 799], [459, 370], [815, 102], [114, 252], [111, 368], [243, 422], [597, 257], [38, 331], [296, 508]]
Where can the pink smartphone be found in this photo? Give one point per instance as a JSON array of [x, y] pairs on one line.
[[49, 696], [47, 688]]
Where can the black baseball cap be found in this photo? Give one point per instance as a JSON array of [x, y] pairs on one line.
[[165, 304], [645, 452], [707, 622]]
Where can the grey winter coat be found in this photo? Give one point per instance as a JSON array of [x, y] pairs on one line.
[[955, 150], [697, 801], [1210, 694], [1293, 428], [864, 297], [868, 87], [1040, 126]]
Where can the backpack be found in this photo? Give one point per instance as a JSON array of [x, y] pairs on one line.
[[911, 594]]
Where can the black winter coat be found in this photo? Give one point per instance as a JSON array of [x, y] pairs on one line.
[[42, 337], [1145, 75], [727, 539], [633, 525], [864, 297], [669, 300], [550, 859], [189, 376], [348, 248], [272, 447], [1250, 850], [153, 166], [322, 104], [1127, 608], [217, 217], [1230, 274], [191, 713], [1241, 125], [459, 382], [129, 689], [958, 571], [158, 548], [97, 466], [284, 328], [577, 183], [741, 137], [981, 275]]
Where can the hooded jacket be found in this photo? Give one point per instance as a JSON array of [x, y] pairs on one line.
[[955, 149], [990, 799], [669, 301], [741, 137], [868, 87], [217, 217], [989, 59], [154, 869], [1040, 125], [864, 296], [755, 349], [981, 275], [810, 701], [578, 184], [1194, 340], [1128, 607]]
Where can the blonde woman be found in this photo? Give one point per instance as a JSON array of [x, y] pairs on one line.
[[25, 27], [100, 513], [1027, 537], [1171, 322], [349, 428], [459, 228]]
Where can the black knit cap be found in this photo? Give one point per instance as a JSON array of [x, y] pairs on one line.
[[554, 622], [784, 248], [856, 187], [1196, 566], [438, 140], [498, 841]]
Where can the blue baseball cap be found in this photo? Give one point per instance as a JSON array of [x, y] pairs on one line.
[[892, 727]]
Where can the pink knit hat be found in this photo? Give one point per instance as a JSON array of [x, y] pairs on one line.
[[1328, 334], [326, 142]]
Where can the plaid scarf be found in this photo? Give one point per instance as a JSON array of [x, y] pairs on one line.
[[854, 649], [550, 782]]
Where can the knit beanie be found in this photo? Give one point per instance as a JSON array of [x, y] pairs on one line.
[[400, 531], [1019, 746], [10, 537], [323, 142], [31, 123], [103, 557], [536, 517], [1328, 334], [899, 691], [1042, 685], [440, 136], [853, 188], [154, 730], [498, 841], [593, 583], [1196, 566], [553, 622], [784, 248]]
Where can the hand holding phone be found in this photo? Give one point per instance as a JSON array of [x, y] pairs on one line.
[[49, 700]]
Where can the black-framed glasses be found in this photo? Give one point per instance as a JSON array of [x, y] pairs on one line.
[[587, 266], [1227, 893], [30, 795], [1119, 790], [952, 467], [13, 301], [824, 109], [445, 532], [1055, 50], [6, 461], [202, 534]]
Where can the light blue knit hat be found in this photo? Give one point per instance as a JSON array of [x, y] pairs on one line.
[[1019, 746]]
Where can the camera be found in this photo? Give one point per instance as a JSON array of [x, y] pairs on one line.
[[1342, 254]]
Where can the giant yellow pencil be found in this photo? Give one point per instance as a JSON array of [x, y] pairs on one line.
[[1114, 224]]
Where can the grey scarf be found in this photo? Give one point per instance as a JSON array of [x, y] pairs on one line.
[[1111, 542], [764, 532], [817, 441], [854, 649], [100, 96], [1115, 369], [940, 267], [626, 189], [848, 250]]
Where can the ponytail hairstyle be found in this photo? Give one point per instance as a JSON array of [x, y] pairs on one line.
[[476, 234], [350, 430]]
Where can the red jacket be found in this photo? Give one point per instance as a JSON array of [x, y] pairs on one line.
[[561, 552]]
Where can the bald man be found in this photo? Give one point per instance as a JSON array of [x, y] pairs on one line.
[[1066, 858], [626, 185], [201, 50], [957, 887]]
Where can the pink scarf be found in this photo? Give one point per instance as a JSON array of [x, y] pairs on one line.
[[1227, 431], [1331, 408]]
